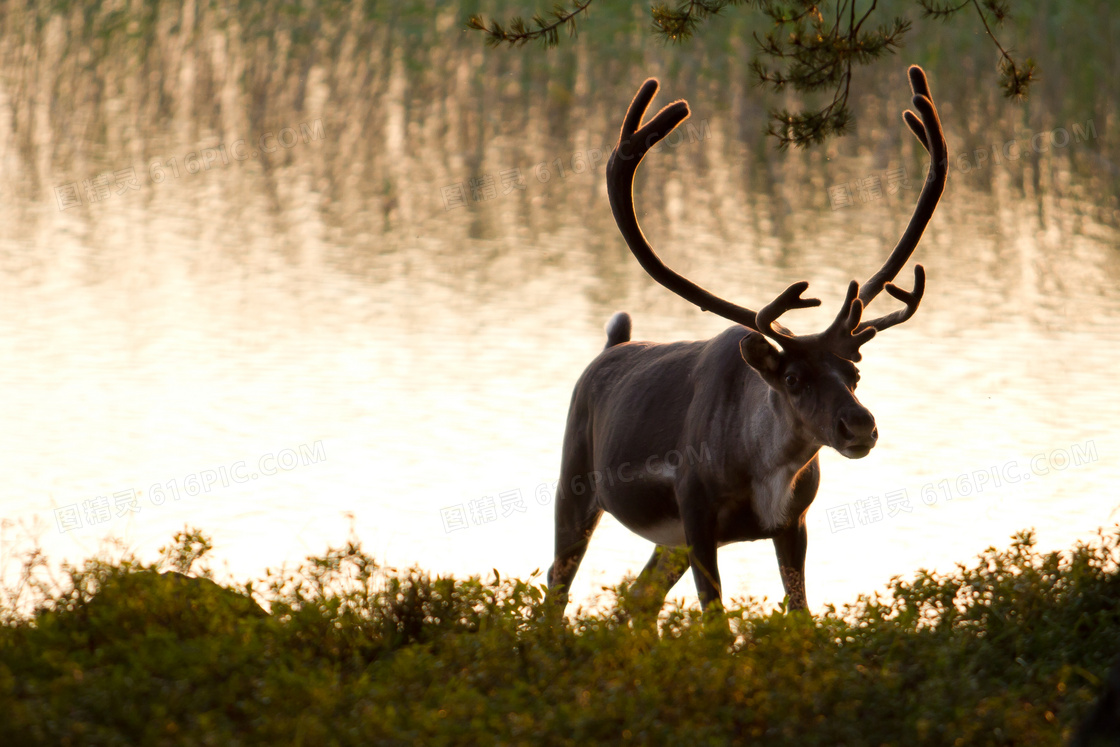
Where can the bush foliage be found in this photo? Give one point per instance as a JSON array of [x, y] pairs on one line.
[[1010, 650]]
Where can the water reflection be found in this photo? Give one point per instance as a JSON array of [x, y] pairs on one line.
[[414, 264]]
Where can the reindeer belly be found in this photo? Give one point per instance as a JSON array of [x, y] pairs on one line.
[[666, 532], [647, 508]]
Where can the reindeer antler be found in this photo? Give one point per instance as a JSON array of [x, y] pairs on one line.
[[789, 299], [634, 142], [926, 126], [846, 333]]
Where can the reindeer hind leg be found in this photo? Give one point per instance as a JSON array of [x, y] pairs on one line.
[[576, 519], [665, 568]]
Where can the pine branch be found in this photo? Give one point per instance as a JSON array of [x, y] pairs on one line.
[[679, 24], [940, 11], [805, 50], [811, 53], [519, 32], [1014, 80]]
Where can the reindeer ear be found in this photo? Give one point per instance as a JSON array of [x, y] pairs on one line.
[[760, 355]]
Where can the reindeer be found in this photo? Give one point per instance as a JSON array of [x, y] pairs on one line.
[[757, 414]]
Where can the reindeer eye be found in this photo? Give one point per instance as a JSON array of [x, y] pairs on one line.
[[792, 380]]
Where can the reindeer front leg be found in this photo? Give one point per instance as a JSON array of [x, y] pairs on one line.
[[700, 536], [790, 546]]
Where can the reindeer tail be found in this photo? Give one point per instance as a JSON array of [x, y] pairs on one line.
[[618, 329]]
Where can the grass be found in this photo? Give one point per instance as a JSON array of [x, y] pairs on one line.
[[1010, 650]]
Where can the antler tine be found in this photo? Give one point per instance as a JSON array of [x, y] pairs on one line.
[[633, 143], [926, 126], [788, 300], [910, 298], [916, 127], [664, 122], [845, 335], [919, 83]]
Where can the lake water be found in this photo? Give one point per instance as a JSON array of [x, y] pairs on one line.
[[286, 289]]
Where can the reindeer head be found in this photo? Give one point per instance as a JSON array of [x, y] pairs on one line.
[[815, 374]]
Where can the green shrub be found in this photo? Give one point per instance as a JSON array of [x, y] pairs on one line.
[[1010, 650]]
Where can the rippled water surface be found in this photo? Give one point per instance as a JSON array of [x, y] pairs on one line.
[[285, 285]]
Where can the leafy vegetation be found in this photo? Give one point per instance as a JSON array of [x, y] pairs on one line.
[[1010, 650]]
